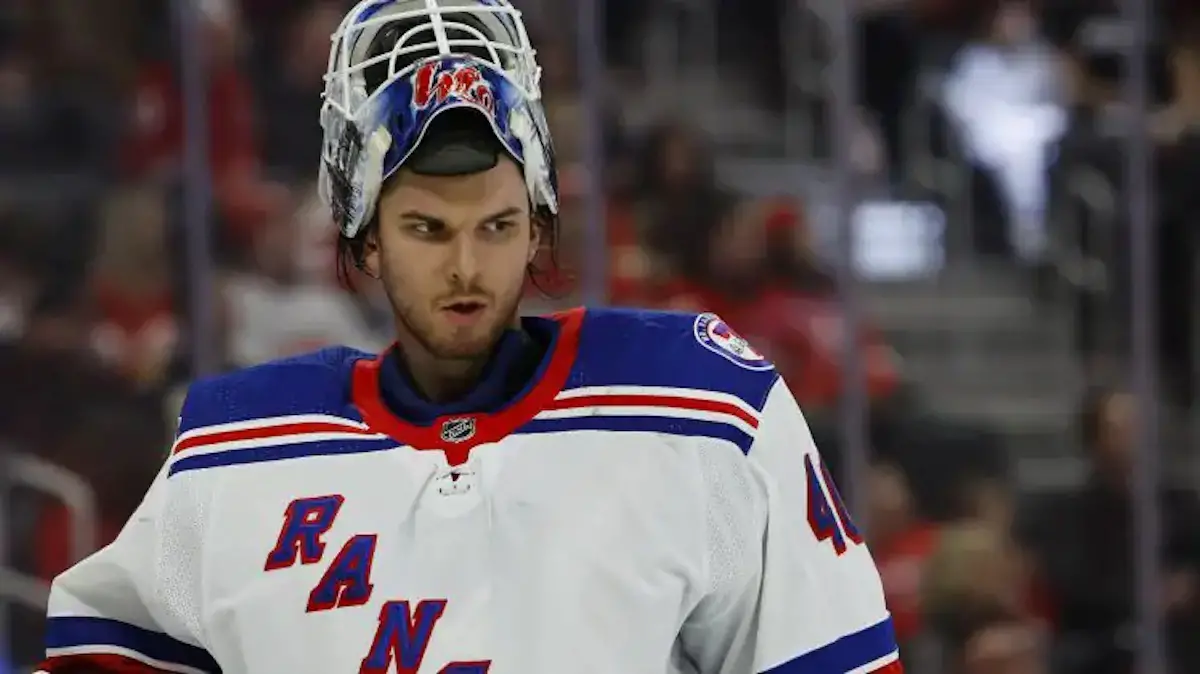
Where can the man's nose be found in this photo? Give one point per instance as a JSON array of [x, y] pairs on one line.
[[464, 259]]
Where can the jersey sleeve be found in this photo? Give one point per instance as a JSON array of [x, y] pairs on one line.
[[791, 587], [131, 607]]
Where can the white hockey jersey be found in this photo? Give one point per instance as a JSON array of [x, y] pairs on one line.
[[651, 504]]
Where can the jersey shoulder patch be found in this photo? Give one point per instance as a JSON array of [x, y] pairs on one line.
[[312, 383], [658, 349], [715, 335]]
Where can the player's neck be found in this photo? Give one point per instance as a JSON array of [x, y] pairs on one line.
[[441, 380]]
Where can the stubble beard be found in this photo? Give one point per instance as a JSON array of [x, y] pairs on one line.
[[462, 344]]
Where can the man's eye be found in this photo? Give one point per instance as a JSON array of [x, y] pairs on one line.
[[499, 225]]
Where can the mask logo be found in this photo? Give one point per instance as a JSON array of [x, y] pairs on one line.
[[434, 82]]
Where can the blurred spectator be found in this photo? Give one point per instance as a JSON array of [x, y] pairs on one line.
[[685, 243], [989, 501], [901, 544], [19, 282], [44, 127], [1005, 102], [130, 300], [750, 270], [290, 89], [275, 312], [975, 574], [1083, 543], [561, 100], [666, 215], [1177, 129], [1088, 188], [888, 70], [1003, 645], [155, 144], [84, 48]]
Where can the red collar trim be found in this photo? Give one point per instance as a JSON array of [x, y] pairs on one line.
[[366, 395]]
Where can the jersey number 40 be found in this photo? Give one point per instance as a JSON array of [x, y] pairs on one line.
[[826, 512]]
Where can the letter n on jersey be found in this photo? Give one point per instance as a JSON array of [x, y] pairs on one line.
[[403, 636]]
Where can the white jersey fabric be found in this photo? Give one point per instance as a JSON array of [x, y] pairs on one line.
[[652, 504]]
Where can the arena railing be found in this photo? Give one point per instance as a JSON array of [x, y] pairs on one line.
[[25, 471]]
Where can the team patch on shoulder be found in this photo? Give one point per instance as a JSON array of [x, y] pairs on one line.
[[716, 336]]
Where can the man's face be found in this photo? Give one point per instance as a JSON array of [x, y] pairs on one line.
[[451, 253], [1117, 427]]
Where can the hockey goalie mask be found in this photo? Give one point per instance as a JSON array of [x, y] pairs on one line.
[[396, 65]]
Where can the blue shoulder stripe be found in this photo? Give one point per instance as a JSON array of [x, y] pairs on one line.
[[314, 383], [626, 347]]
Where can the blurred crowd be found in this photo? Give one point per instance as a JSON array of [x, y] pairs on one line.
[[103, 302]]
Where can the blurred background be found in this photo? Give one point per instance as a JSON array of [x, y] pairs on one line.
[[965, 230]]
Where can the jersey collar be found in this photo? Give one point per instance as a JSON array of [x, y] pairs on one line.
[[515, 358], [457, 433]]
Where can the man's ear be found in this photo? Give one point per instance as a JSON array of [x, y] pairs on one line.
[[369, 262], [536, 224]]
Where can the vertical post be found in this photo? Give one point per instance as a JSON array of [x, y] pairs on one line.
[[6, 557], [854, 404], [793, 93], [1143, 244], [204, 338], [590, 61], [708, 38]]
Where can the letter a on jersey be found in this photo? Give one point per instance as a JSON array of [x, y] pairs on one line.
[[347, 581]]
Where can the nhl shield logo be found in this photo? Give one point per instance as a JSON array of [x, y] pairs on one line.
[[715, 335], [457, 430]]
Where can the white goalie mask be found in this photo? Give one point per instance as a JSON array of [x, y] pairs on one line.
[[396, 65]]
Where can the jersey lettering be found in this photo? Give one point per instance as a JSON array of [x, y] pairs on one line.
[[347, 581], [477, 667], [827, 514], [304, 522], [402, 635], [848, 526]]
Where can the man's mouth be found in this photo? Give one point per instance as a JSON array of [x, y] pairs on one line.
[[464, 310], [465, 307]]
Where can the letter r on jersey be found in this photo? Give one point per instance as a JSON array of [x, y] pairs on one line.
[[304, 522]]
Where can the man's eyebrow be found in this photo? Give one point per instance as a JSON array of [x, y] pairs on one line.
[[502, 214], [434, 220], [423, 217]]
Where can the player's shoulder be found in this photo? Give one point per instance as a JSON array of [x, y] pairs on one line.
[[671, 350], [314, 383]]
